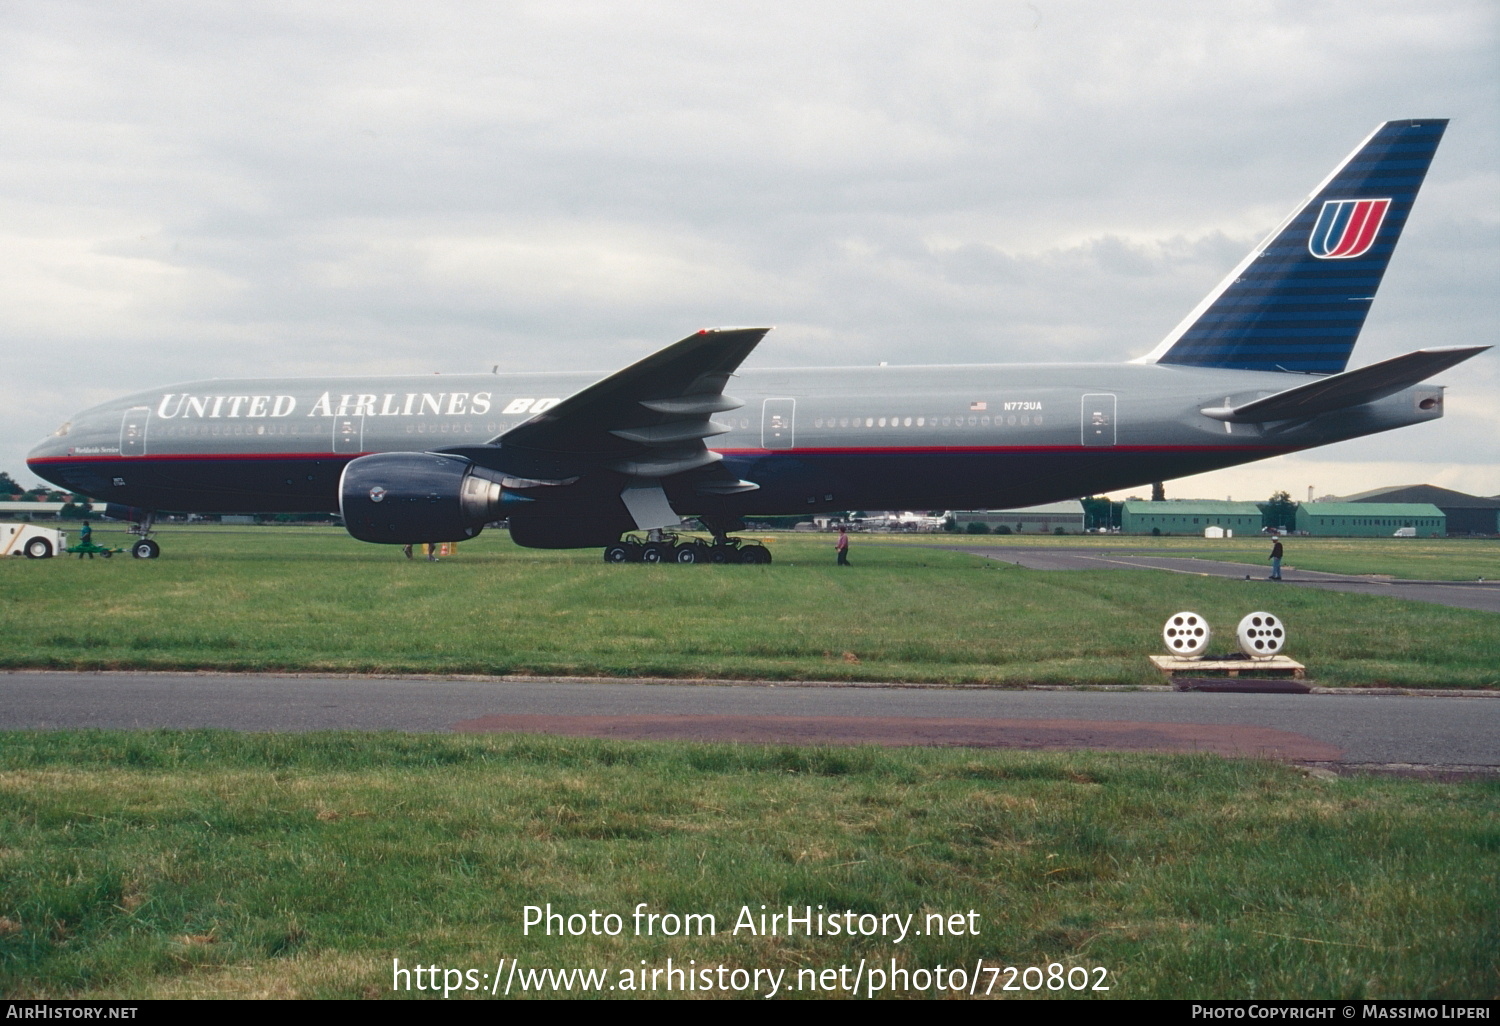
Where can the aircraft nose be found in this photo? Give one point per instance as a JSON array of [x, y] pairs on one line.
[[41, 460], [55, 444]]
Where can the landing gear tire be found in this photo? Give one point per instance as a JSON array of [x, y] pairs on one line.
[[756, 554], [657, 552], [685, 554], [145, 549], [106, 553], [617, 553], [39, 548]]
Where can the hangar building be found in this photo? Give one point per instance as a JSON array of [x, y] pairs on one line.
[[1467, 514], [1370, 519], [1043, 519], [1189, 516]]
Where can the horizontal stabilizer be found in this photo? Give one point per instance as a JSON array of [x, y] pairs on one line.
[[1352, 388]]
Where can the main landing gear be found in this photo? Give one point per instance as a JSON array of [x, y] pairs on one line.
[[660, 547]]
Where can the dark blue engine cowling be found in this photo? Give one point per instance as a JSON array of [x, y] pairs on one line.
[[411, 497]]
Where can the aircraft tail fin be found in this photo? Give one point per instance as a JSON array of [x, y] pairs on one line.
[[1299, 300]]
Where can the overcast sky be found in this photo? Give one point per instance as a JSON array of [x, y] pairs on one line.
[[205, 189]]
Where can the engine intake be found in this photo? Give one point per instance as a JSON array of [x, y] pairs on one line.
[[412, 497]]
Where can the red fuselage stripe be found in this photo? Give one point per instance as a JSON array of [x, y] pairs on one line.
[[807, 451]]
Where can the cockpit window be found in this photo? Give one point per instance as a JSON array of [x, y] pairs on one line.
[[66, 427]]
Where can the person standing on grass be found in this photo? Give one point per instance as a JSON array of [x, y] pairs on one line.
[[842, 545], [1276, 552]]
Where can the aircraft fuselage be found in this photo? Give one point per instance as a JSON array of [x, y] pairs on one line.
[[814, 440]]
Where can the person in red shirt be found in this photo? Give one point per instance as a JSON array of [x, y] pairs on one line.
[[842, 545]]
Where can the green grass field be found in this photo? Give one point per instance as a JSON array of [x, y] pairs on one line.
[[312, 599], [163, 864]]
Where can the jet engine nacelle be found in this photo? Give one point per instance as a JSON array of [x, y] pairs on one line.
[[412, 497]]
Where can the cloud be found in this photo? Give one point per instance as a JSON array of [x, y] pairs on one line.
[[228, 188]]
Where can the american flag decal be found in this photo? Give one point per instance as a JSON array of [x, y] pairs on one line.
[[979, 406]]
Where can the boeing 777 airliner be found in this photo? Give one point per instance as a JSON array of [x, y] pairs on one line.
[[1255, 370]]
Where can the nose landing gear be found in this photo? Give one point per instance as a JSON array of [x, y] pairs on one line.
[[143, 547]]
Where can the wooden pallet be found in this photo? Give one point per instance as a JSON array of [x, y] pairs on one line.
[[1172, 665]]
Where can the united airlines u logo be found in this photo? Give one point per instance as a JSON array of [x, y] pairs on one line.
[[1346, 228]]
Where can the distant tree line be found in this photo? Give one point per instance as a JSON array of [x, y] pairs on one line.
[[76, 506]]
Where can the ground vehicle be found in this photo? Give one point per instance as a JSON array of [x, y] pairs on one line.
[[31, 541], [91, 549]]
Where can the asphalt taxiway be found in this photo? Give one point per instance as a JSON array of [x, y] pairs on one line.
[[1346, 728]]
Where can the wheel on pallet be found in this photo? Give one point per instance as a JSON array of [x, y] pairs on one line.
[[1187, 635], [1261, 635]]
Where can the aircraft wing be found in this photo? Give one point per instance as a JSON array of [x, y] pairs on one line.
[[1351, 388], [650, 419], [647, 422]]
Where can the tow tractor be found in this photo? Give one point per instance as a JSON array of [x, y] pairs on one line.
[[31, 541]]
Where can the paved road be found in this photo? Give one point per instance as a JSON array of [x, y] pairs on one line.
[[1320, 728], [1479, 595]]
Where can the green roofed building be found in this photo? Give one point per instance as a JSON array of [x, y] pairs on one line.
[[1371, 519], [1189, 516]]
